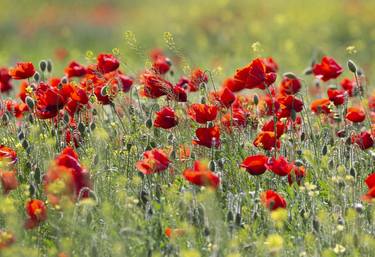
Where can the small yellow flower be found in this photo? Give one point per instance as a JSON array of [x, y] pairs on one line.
[[339, 249], [274, 243]]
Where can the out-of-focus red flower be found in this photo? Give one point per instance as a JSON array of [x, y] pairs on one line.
[[355, 114], [235, 118], [226, 97], [255, 75], [370, 180], [208, 137], [321, 106], [17, 109], [272, 200], [5, 80], [363, 140], [36, 211], [327, 69], [155, 86], [197, 77], [161, 64], [296, 175], [202, 113], [200, 175], [371, 102], [288, 104], [370, 195], [289, 86], [7, 155], [336, 96], [271, 65], [270, 126], [50, 100], [6, 239], [23, 92], [178, 94], [279, 166], [268, 105], [8, 181], [255, 164], [166, 118], [22, 70], [171, 233], [349, 86], [74, 69], [266, 140], [125, 82], [154, 161], [233, 85], [107, 63]]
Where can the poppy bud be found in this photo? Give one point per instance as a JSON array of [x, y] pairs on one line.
[[128, 146], [49, 66], [256, 99], [358, 207], [30, 102], [210, 124], [341, 221], [64, 80], [153, 144], [290, 75], [32, 190], [212, 166], [31, 119], [353, 172], [96, 159], [352, 67], [36, 76], [293, 114], [303, 136], [238, 219], [104, 91], [230, 216], [25, 144], [359, 72], [43, 65], [203, 100], [324, 150], [94, 112], [299, 162], [308, 71], [316, 225], [66, 118], [37, 176], [92, 126], [148, 123], [21, 136], [220, 163], [192, 155], [81, 127]]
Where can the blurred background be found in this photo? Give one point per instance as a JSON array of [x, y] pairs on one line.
[[214, 34]]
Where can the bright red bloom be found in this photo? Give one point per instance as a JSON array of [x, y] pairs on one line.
[[5, 80], [288, 104], [255, 164], [197, 77], [125, 82], [236, 118], [297, 174], [233, 85], [370, 180], [327, 69], [154, 161], [370, 195], [269, 106], [226, 97], [272, 200], [155, 86], [36, 211], [290, 86], [75, 69], [166, 118], [270, 126], [49, 100], [7, 155], [336, 96], [209, 137], [23, 70], [255, 75], [321, 106], [200, 175], [266, 140], [107, 63], [202, 113], [271, 65], [8, 181], [161, 64], [178, 94], [17, 109], [363, 140], [349, 86], [355, 114], [279, 166]]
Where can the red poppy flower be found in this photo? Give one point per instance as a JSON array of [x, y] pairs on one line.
[[255, 75], [23, 70], [200, 175], [233, 85], [370, 180], [125, 82], [266, 140], [17, 109], [154, 161], [178, 94], [161, 64], [355, 114], [370, 195], [155, 86], [296, 175], [270, 126], [166, 118], [7, 155], [226, 97], [327, 69], [269, 106], [289, 86], [202, 113], [209, 137], [288, 104], [279, 166], [36, 211], [197, 77], [349, 86], [255, 164], [271, 65], [371, 103], [107, 63], [236, 118], [321, 106], [8, 181], [336, 96], [75, 69], [5, 80], [272, 200], [363, 140], [49, 100]]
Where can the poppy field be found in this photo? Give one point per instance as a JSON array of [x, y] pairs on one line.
[[166, 149]]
